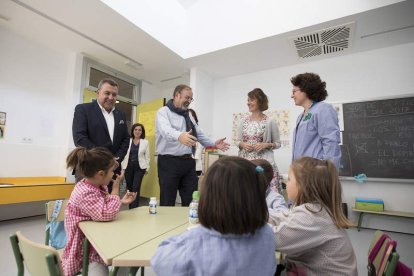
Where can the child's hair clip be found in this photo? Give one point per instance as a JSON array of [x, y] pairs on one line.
[[259, 169]]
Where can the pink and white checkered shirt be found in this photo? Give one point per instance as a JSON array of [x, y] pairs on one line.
[[87, 202]]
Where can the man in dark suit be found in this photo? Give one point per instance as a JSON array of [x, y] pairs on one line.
[[100, 124]]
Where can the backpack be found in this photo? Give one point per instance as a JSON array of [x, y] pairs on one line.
[[57, 236], [383, 258]]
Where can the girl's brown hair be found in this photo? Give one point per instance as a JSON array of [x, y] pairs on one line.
[[232, 199], [317, 182], [88, 162], [267, 167]]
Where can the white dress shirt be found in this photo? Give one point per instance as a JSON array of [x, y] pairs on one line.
[[168, 127], [110, 121]]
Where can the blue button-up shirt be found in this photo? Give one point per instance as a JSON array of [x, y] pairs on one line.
[[317, 134], [168, 127], [203, 251]]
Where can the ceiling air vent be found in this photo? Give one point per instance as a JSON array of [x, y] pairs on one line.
[[324, 42]]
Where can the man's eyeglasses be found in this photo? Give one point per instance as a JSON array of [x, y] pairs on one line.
[[187, 98]]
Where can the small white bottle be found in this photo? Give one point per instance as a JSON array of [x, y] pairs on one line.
[[193, 210], [153, 206]]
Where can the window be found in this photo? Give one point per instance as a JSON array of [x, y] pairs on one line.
[[129, 89]]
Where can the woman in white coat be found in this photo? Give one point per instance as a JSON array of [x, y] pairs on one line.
[[136, 161]]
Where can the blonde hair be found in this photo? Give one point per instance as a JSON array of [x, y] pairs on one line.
[[318, 182]]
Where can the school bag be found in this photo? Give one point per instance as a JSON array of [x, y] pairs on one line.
[[57, 236], [383, 258]]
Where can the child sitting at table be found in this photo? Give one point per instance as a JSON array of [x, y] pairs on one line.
[[90, 200], [275, 201], [312, 234], [233, 238]]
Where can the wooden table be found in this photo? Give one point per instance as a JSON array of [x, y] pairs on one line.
[[140, 256], [132, 229], [28, 189]]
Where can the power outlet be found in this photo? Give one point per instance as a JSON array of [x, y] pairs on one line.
[[27, 140]]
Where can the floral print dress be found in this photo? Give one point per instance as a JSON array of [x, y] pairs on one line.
[[253, 133]]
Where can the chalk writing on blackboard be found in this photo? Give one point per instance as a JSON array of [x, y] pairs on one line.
[[378, 138]]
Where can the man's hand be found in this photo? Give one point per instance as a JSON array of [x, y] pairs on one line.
[[221, 145], [116, 182], [119, 177], [117, 162], [187, 139]]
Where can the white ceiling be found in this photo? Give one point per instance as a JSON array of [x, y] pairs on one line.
[[199, 27], [92, 28]]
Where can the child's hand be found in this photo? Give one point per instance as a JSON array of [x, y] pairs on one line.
[[129, 197]]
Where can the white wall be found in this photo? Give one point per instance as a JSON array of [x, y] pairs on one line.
[[386, 72], [381, 73], [202, 85], [39, 89], [35, 92], [149, 92]]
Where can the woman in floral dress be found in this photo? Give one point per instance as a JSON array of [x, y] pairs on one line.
[[258, 134]]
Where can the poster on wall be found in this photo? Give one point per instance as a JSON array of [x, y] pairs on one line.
[[280, 116], [2, 124]]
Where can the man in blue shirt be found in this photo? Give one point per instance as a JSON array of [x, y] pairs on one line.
[[176, 137]]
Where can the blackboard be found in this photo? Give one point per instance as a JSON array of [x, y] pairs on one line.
[[378, 139]]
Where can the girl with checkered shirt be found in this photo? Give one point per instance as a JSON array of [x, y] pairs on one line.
[[90, 200]]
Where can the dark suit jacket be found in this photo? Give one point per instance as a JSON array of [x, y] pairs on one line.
[[89, 130]]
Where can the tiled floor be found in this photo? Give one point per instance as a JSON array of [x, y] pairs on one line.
[[33, 229]]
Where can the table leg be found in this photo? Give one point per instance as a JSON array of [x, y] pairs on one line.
[[113, 271], [360, 221], [133, 271], [85, 257]]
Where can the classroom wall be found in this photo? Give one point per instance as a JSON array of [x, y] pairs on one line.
[[384, 72], [35, 88], [39, 89], [202, 85], [150, 92], [368, 75]]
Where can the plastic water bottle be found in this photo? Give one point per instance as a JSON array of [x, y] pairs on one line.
[[193, 211], [153, 206]]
